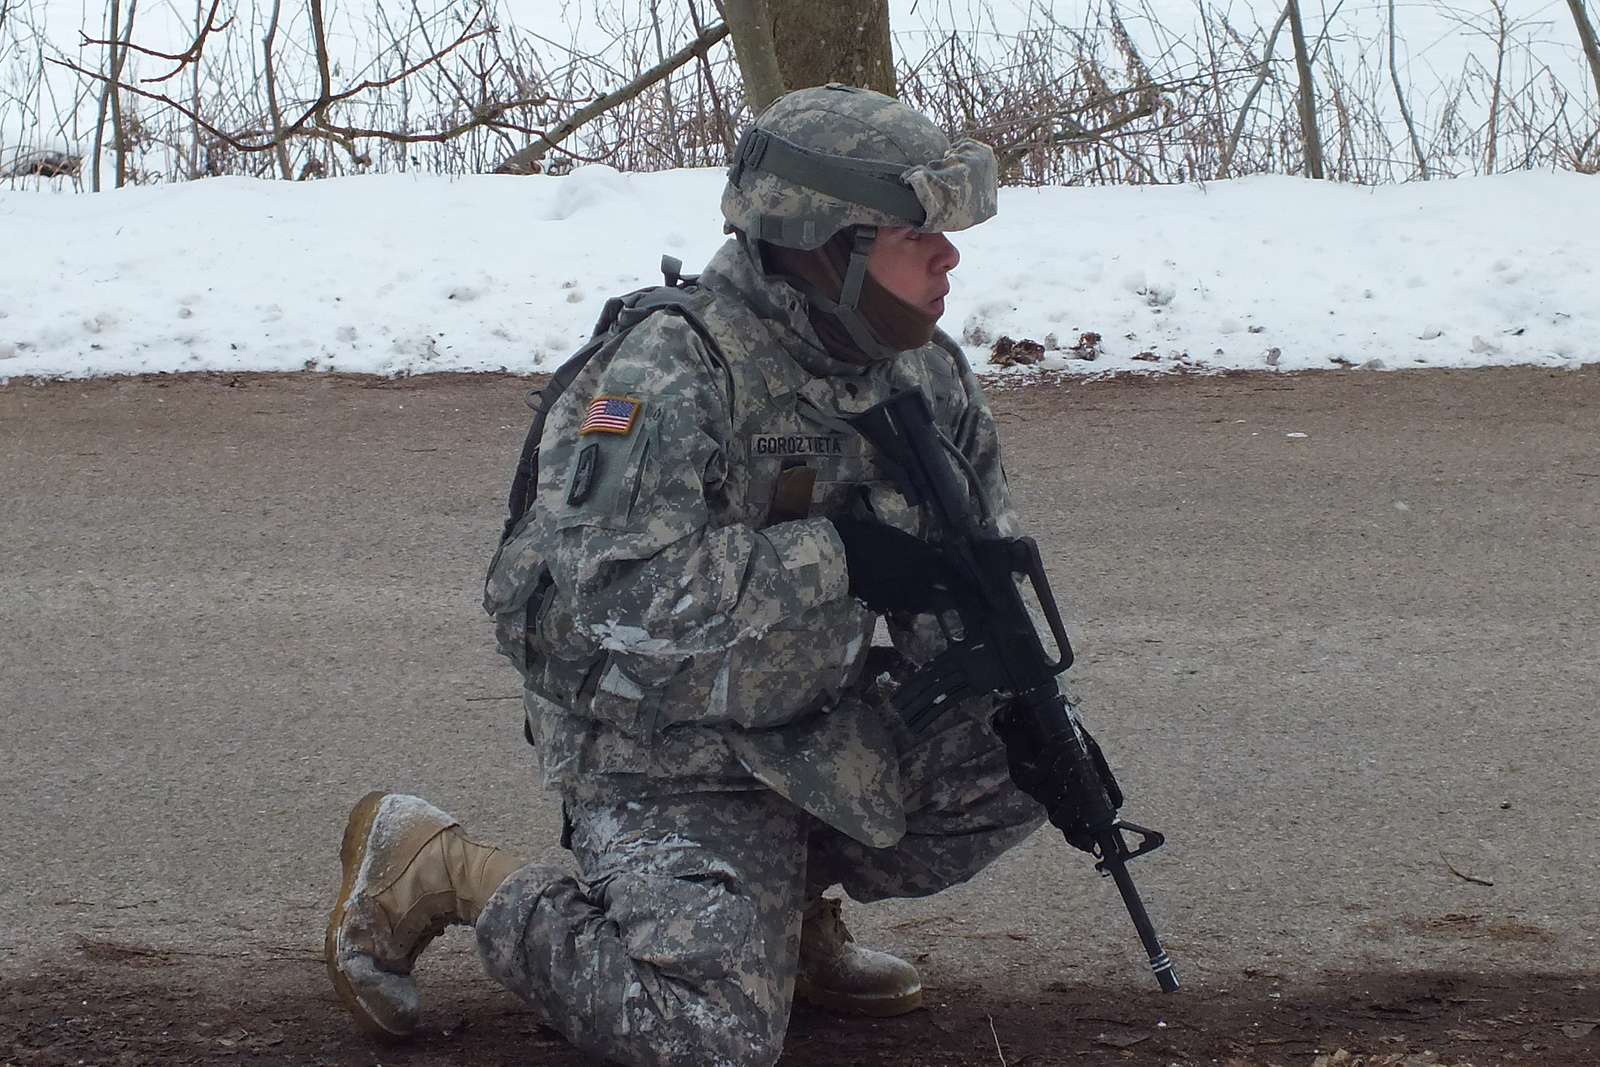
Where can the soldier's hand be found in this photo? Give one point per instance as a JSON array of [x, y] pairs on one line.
[[891, 570], [1052, 773]]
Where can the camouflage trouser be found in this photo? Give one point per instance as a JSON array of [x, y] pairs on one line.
[[677, 944]]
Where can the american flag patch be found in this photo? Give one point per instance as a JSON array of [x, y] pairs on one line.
[[611, 414]]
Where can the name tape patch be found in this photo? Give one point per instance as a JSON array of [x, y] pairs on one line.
[[797, 444], [611, 414]]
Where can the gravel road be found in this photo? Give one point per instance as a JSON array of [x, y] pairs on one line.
[[1338, 633]]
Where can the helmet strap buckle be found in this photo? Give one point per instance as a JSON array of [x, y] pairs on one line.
[[749, 152]]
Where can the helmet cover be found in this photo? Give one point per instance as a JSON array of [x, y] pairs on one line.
[[821, 159]]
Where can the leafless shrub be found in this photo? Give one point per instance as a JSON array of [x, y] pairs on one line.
[[454, 86]]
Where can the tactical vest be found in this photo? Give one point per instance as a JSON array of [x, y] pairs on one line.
[[789, 455]]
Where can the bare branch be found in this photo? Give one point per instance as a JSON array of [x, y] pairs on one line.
[[522, 162], [724, 123], [1400, 96], [1074, 133], [314, 122], [468, 34], [1226, 167], [1591, 49], [320, 38], [182, 59]]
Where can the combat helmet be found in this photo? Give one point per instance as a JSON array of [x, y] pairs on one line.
[[822, 159]]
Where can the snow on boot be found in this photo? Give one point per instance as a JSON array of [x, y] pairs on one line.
[[837, 973], [409, 872]]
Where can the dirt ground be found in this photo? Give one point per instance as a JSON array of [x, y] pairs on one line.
[[1337, 633], [117, 1003]]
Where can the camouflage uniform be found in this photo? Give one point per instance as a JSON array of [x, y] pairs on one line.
[[694, 668]]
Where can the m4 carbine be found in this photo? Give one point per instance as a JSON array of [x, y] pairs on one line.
[[997, 649]]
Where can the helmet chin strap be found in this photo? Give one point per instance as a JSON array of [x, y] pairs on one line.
[[846, 311]]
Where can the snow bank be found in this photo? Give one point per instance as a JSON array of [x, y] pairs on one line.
[[400, 274]]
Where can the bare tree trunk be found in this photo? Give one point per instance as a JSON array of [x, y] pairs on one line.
[[194, 124], [1492, 149], [1250, 97], [1591, 49], [821, 41], [280, 149], [119, 129], [1400, 95], [750, 23], [107, 91], [1308, 93]]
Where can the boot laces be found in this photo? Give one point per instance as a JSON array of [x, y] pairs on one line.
[[437, 924], [827, 918]]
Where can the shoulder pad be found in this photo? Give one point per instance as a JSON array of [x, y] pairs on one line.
[[688, 303], [638, 305]]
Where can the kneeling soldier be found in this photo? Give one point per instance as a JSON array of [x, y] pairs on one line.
[[691, 598]]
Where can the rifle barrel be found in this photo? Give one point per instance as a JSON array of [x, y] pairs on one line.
[[1160, 963]]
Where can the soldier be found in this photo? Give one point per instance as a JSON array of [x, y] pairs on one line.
[[691, 601]]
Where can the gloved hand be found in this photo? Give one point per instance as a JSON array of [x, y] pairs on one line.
[[891, 570], [1047, 772]]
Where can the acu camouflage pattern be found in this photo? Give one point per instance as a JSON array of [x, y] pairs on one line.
[[956, 185], [677, 944], [696, 681], [687, 639]]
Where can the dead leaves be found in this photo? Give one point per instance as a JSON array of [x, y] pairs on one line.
[[1088, 346], [1009, 353], [1025, 352]]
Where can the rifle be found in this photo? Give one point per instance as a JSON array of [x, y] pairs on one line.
[[997, 649]]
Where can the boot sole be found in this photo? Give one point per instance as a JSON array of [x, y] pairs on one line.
[[352, 852], [876, 1007]]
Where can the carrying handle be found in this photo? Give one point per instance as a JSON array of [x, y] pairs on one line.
[[1026, 551]]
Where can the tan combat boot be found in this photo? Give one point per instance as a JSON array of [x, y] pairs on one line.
[[838, 974], [409, 872]]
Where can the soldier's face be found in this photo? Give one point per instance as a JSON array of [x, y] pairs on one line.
[[914, 266]]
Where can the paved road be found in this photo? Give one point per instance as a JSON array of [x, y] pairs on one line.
[[1338, 633]]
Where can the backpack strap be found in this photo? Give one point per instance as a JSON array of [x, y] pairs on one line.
[[542, 401], [620, 315]]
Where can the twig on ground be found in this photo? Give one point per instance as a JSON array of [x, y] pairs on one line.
[[995, 1034], [1463, 875]]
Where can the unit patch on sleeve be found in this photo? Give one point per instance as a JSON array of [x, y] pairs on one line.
[[611, 414], [583, 474]]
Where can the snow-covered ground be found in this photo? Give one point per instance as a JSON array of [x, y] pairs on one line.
[[399, 274]]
